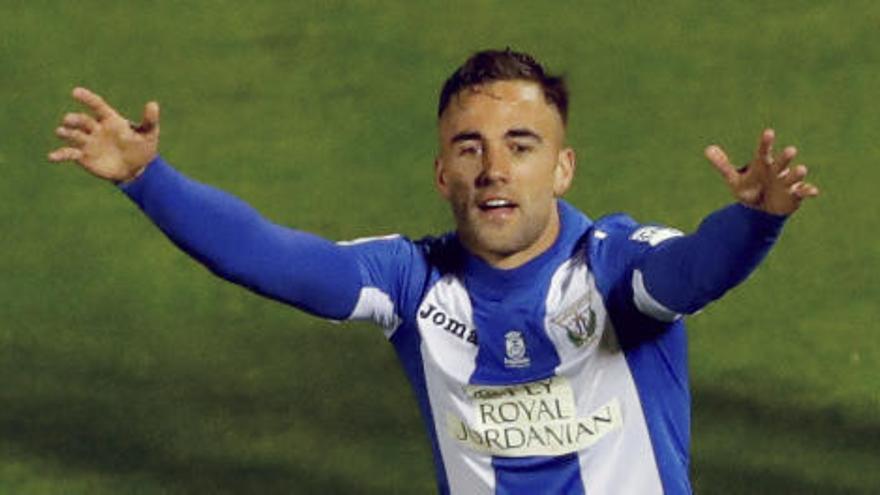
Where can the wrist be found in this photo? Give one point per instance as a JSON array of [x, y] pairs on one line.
[[136, 173], [763, 211]]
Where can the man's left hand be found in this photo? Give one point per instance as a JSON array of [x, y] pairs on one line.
[[768, 183]]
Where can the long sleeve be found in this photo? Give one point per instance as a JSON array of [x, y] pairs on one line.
[[685, 273], [233, 241]]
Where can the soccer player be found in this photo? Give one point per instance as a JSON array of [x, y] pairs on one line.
[[547, 350]]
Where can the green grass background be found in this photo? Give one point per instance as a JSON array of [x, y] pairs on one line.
[[127, 368]]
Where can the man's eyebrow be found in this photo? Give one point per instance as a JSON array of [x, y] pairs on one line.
[[466, 136], [520, 132]]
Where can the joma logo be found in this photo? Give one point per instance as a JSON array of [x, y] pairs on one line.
[[439, 318]]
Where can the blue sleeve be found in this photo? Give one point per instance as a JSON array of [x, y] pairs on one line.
[[660, 273], [394, 270], [233, 241], [686, 273]]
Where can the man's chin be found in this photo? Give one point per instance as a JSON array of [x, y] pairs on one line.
[[496, 244]]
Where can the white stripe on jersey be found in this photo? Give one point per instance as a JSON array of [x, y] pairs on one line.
[[598, 372], [444, 318]]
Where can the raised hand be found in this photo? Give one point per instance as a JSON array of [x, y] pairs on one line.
[[767, 183], [105, 143]]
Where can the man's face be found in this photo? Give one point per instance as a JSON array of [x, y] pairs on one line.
[[501, 166]]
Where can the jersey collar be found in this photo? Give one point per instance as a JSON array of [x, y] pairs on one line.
[[497, 281]]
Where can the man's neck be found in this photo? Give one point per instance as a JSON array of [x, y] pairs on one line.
[[545, 241]]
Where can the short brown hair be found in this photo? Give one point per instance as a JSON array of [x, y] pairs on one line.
[[504, 65]]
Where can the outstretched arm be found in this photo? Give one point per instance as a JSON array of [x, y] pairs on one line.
[[236, 243], [226, 235], [684, 274]]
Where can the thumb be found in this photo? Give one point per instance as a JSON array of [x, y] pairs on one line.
[[150, 122], [719, 160]]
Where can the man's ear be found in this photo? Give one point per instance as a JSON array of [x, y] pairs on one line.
[[440, 178], [564, 171]]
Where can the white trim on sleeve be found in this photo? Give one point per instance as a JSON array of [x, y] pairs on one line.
[[647, 304], [376, 306]]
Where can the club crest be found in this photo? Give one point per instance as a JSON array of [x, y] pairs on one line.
[[515, 350], [579, 321], [582, 327]]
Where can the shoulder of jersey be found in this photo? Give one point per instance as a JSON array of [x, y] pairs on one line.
[[615, 224], [620, 224], [443, 252]]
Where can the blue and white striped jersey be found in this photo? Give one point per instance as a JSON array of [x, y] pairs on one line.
[[566, 375], [547, 378]]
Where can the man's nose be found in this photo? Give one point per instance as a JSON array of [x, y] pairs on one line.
[[496, 166]]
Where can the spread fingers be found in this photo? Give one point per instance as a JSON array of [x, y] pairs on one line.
[[64, 154], [97, 104], [785, 158], [804, 190], [80, 121], [792, 175], [75, 137]]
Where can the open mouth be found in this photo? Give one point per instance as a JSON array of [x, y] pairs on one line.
[[497, 204]]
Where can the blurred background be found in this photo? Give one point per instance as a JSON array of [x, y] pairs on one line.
[[127, 368]]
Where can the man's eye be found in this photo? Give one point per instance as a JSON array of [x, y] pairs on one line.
[[468, 150], [521, 148]]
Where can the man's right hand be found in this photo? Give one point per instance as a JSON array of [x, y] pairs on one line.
[[107, 144]]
